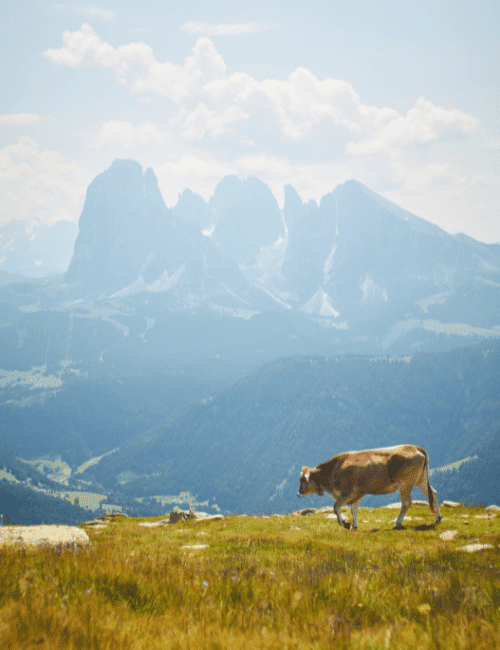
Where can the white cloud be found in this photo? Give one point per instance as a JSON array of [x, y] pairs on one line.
[[19, 119], [206, 29], [128, 135], [423, 123], [135, 66], [40, 184], [299, 108], [202, 121], [83, 47], [86, 10]]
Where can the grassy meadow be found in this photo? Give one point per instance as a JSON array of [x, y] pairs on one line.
[[260, 582]]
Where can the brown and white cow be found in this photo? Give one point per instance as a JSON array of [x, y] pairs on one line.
[[349, 476]]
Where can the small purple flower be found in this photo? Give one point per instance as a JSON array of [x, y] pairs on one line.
[[234, 578], [87, 591], [205, 583]]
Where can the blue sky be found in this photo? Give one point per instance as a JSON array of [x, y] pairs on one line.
[[403, 97]]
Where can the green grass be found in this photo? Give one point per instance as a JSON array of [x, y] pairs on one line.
[[277, 582]]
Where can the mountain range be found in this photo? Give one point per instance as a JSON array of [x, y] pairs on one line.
[[238, 278], [353, 259]]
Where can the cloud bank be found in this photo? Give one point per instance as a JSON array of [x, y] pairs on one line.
[[39, 183], [304, 130], [212, 105]]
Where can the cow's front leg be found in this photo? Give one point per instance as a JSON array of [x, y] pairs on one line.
[[336, 509], [354, 511]]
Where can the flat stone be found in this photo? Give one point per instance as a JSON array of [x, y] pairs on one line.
[[50, 535], [178, 515], [448, 535], [472, 548]]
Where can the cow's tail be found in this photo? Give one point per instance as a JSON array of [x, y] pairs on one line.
[[430, 494]]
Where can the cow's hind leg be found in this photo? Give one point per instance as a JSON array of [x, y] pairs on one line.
[[354, 511], [428, 491], [405, 504]]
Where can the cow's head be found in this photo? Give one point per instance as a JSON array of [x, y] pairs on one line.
[[308, 483]]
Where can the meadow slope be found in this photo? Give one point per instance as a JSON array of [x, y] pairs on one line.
[[290, 581]]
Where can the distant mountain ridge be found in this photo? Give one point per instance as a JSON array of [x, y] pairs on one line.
[[355, 262], [35, 250], [236, 277], [130, 242]]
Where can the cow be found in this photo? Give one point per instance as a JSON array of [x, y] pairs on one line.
[[350, 475]]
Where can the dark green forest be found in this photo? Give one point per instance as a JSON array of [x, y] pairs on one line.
[[244, 447]]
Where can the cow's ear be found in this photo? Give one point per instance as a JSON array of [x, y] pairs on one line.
[[305, 469]]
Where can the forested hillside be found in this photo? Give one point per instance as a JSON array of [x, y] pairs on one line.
[[243, 449], [83, 416], [476, 481]]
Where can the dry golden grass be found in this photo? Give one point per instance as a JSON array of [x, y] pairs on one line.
[[278, 582]]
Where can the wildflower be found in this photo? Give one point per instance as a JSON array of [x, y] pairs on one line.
[[205, 583], [424, 608], [87, 591], [234, 578]]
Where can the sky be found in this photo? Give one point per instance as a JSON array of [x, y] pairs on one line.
[[403, 97]]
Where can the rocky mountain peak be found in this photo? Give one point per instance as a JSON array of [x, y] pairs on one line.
[[123, 213], [246, 218]]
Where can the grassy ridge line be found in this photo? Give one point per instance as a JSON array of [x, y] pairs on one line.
[[261, 582]]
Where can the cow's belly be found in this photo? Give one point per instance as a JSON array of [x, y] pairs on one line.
[[387, 489]]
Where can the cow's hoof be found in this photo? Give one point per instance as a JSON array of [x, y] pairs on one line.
[[347, 525], [438, 520], [399, 527]]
